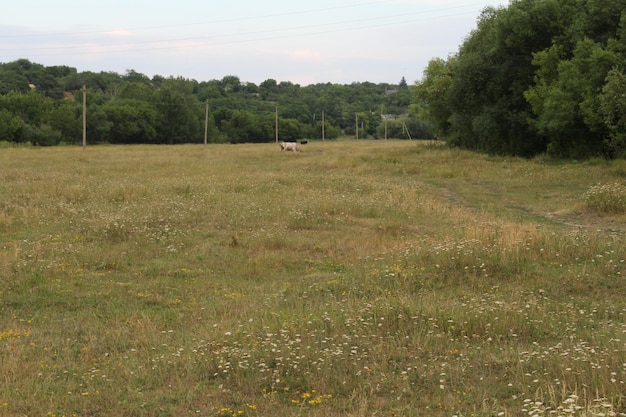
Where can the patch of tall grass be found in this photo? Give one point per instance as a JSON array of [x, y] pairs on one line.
[[607, 198], [354, 278]]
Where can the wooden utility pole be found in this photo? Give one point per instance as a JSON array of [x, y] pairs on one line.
[[382, 114], [206, 121], [385, 128], [322, 125], [406, 130], [276, 128], [84, 116], [356, 124]]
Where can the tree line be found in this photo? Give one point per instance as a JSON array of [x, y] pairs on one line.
[[538, 76], [42, 105]]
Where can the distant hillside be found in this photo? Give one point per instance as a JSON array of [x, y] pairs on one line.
[[41, 105]]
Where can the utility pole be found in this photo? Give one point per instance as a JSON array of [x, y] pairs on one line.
[[206, 121], [322, 125], [385, 128], [382, 114], [406, 130], [356, 123], [84, 116]]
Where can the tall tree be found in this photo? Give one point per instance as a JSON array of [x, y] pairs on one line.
[[179, 112], [132, 121], [566, 100], [613, 105], [432, 95], [530, 78]]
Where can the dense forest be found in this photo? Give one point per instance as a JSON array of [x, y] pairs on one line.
[[537, 76], [43, 105]]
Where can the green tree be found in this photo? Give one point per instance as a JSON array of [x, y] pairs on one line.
[[269, 89], [66, 118], [31, 107], [42, 135], [492, 71], [12, 128], [243, 127], [98, 125], [132, 121], [133, 76], [530, 78], [432, 95], [179, 112], [209, 91], [613, 106], [239, 127], [180, 106], [136, 90], [289, 130], [231, 84], [29, 119], [12, 81], [566, 100]]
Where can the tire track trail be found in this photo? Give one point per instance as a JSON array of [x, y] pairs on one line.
[[566, 217]]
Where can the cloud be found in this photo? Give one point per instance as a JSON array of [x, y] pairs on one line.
[[305, 55], [119, 32], [334, 41]]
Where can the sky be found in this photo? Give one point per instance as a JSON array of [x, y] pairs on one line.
[[303, 42]]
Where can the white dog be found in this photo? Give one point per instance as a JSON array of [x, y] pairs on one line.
[[289, 146]]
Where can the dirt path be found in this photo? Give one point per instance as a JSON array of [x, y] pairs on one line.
[[576, 219]]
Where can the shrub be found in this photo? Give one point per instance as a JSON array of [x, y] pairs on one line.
[[43, 135]]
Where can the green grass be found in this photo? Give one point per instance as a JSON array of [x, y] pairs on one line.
[[351, 279]]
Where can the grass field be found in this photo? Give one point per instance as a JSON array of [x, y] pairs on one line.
[[356, 278]]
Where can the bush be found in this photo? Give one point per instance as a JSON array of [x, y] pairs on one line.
[[43, 135]]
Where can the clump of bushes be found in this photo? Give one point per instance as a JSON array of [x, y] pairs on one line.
[[607, 198]]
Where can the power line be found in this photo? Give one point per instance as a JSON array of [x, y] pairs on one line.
[[210, 22], [248, 36]]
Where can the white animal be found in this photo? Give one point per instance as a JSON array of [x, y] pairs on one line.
[[289, 146]]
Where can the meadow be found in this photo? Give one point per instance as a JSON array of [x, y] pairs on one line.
[[356, 278]]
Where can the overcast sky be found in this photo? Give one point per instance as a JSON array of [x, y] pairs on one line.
[[305, 42]]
